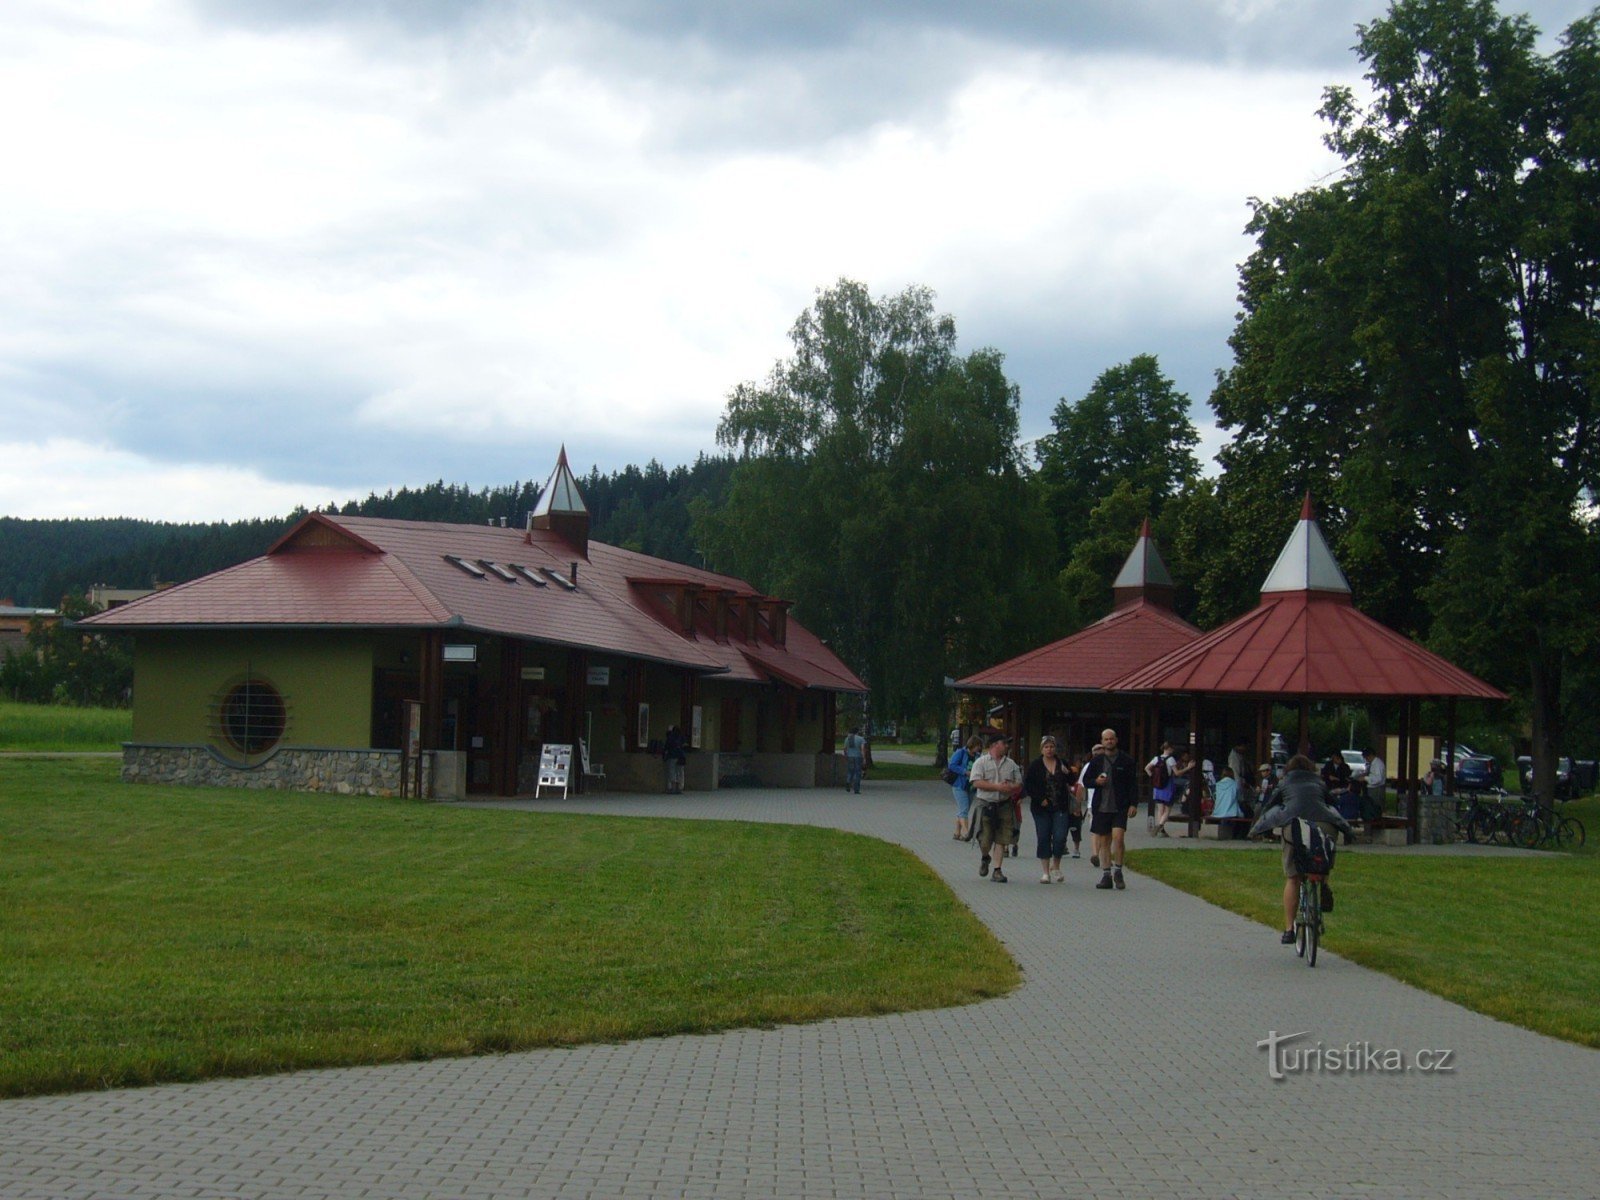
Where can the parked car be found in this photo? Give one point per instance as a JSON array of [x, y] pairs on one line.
[[1564, 781], [1475, 772], [1356, 761]]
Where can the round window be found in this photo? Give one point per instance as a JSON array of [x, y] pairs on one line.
[[253, 716]]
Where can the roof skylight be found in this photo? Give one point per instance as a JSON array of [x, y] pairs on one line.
[[470, 568]]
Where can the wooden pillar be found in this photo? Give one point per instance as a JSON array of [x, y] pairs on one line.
[[1397, 767], [1262, 750], [577, 703], [1450, 746], [1196, 776], [788, 698], [1414, 787], [685, 720], [636, 695], [506, 724], [430, 662], [830, 722]]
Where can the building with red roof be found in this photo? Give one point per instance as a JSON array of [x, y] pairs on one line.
[[296, 669]]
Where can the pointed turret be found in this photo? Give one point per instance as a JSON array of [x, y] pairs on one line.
[[561, 509], [1305, 563], [1144, 576]]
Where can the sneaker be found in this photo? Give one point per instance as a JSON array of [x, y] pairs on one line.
[[1286, 938], [1075, 854], [999, 877], [1045, 878], [1060, 878], [1011, 851], [983, 867], [1094, 860], [1117, 880], [1105, 882], [1161, 831]]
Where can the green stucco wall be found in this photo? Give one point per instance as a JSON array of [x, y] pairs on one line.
[[324, 678]]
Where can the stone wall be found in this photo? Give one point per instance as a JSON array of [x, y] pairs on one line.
[[307, 769]]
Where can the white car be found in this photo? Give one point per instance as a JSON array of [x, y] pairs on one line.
[[1356, 761]]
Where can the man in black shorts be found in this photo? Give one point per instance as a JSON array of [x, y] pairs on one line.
[[1115, 780]]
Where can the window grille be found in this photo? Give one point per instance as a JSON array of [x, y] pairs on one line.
[[252, 716]]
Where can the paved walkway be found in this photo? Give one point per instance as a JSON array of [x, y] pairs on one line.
[[1125, 1066]]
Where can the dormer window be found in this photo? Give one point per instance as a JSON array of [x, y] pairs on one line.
[[470, 568]]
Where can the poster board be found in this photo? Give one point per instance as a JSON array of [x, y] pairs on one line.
[[555, 767], [411, 751], [696, 726]]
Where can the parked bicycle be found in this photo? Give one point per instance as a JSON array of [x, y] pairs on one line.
[[1543, 826]]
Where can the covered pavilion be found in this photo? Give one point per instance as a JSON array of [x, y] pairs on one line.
[[1306, 641], [1060, 688]]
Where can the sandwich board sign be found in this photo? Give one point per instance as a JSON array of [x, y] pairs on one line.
[[555, 767]]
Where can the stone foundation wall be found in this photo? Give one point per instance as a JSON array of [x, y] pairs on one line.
[[306, 769]]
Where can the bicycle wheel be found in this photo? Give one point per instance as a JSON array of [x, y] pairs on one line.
[[1313, 936], [1481, 827], [1300, 924], [1528, 831], [1570, 834]]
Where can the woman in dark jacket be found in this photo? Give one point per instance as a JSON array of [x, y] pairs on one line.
[[1048, 785], [1299, 796]]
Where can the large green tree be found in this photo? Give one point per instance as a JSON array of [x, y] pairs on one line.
[[1417, 345], [878, 486], [1131, 428]]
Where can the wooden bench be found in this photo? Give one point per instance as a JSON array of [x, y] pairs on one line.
[[1383, 831], [1226, 829]]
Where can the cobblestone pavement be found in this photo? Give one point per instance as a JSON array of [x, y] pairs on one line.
[[1125, 1066]]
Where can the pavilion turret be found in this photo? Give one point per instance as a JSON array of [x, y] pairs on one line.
[[561, 508], [1144, 576]]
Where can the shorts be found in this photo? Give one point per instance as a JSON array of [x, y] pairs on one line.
[[1104, 822], [996, 823]]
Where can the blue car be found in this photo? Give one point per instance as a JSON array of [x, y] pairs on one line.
[[1476, 772]]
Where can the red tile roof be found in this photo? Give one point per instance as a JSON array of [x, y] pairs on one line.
[[1130, 636], [1308, 643], [367, 572]]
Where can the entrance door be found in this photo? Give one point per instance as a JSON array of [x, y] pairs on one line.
[[729, 743]]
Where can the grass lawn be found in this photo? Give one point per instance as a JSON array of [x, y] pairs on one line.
[[1509, 937], [62, 727], [152, 934]]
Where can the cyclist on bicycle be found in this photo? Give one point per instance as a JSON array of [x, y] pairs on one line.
[[1299, 796]]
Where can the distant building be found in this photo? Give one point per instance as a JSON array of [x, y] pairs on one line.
[[14, 622], [104, 596], [294, 669]]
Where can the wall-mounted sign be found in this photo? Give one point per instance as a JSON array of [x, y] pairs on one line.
[[599, 676], [695, 726], [644, 725], [533, 672], [460, 652]]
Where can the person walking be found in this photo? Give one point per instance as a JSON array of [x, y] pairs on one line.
[[855, 747], [1049, 786], [1116, 800], [996, 781], [1075, 805], [675, 754], [1086, 789], [960, 765], [1163, 773]]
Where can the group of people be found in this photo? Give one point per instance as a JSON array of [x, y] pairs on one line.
[[988, 787]]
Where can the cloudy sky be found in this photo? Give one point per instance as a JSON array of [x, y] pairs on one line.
[[260, 253]]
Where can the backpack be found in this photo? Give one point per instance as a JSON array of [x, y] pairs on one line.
[[1313, 850], [1158, 777]]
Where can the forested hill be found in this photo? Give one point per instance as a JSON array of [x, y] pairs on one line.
[[642, 508]]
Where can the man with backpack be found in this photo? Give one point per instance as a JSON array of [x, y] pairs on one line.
[[1163, 772], [1299, 807]]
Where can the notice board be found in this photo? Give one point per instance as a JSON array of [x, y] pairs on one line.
[[555, 767]]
